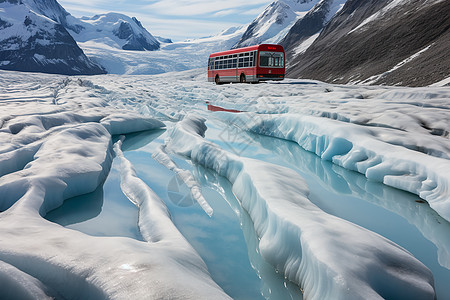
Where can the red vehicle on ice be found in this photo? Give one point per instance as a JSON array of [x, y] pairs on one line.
[[249, 64]]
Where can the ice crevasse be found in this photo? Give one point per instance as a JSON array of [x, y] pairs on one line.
[[358, 148], [40, 259], [328, 257]]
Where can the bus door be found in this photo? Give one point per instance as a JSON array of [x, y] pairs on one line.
[[234, 62], [211, 67]]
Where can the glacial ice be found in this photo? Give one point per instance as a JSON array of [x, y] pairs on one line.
[[55, 142], [309, 246], [163, 158], [19, 285], [359, 149], [72, 158]]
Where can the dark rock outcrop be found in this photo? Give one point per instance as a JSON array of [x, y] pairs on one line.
[[135, 40], [371, 41]]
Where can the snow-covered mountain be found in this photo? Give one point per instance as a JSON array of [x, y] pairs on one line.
[[274, 22], [114, 29], [41, 36], [307, 28], [53, 10], [394, 42], [163, 40], [34, 42], [178, 56]]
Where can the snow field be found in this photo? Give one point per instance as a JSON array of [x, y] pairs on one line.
[[309, 246]]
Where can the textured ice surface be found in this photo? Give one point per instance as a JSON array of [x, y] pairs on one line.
[[309, 246], [161, 156], [55, 143], [360, 149], [67, 154]]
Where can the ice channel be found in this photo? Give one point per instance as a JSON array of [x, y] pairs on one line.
[[226, 241]]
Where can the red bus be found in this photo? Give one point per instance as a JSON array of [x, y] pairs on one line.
[[249, 64]]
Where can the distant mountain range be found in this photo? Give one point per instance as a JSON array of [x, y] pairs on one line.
[[41, 36], [113, 29], [34, 42], [392, 42], [274, 22]]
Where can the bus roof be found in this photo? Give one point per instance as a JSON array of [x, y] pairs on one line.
[[262, 47]]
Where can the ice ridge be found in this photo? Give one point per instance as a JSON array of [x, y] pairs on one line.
[[163, 158], [51, 261], [358, 149], [309, 246]]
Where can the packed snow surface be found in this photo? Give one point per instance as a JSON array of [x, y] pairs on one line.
[[56, 143]]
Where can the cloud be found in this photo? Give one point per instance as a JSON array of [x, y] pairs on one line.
[[180, 29], [225, 12], [200, 7], [175, 19]]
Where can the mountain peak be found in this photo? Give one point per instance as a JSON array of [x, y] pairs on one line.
[[34, 42], [116, 30], [274, 22]]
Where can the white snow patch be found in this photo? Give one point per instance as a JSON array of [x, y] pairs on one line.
[[379, 14], [305, 44], [443, 82], [19, 285]]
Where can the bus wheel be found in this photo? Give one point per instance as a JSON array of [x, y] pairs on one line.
[[242, 79], [217, 80]]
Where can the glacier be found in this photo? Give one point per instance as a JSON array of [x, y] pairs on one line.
[[297, 237], [59, 136], [358, 149]]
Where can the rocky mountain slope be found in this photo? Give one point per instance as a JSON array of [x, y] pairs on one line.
[[307, 28], [393, 42]]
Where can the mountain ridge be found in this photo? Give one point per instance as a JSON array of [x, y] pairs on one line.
[[32, 42], [380, 42]]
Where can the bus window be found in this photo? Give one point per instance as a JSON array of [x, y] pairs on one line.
[[271, 59]]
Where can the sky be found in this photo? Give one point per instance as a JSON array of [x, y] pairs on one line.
[[175, 19]]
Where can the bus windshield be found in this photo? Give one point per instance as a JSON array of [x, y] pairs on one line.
[[271, 59]]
